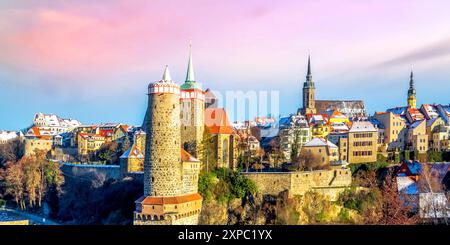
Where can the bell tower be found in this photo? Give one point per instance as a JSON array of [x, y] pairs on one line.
[[412, 92], [192, 115], [309, 105]]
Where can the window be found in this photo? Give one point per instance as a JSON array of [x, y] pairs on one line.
[[224, 150]]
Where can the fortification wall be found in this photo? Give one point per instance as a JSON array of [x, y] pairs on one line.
[[271, 183], [327, 182], [89, 171]]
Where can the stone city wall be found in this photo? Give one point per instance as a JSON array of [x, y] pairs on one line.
[[71, 170], [327, 182]]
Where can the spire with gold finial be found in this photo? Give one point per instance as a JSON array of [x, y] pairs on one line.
[[411, 91]]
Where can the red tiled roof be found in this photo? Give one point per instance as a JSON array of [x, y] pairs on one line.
[[415, 114], [324, 116], [106, 132], [216, 121], [381, 112], [152, 200]]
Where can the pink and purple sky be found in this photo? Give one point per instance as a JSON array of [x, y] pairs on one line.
[[92, 60]]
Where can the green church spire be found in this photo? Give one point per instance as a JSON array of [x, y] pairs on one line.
[[190, 70], [190, 82]]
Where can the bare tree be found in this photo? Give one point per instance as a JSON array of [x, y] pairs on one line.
[[32, 179], [32, 176], [430, 180], [307, 161], [15, 182], [396, 210]]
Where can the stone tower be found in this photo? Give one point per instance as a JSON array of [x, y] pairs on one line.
[[309, 105], [165, 200], [411, 92], [192, 112]]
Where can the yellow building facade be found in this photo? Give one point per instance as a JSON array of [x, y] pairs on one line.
[[361, 144]]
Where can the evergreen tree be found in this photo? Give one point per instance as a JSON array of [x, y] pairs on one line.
[[126, 144]]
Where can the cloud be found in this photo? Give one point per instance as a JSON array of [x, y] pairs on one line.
[[436, 50]]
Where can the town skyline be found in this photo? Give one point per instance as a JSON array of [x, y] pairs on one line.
[[59, 55], [284, 110]]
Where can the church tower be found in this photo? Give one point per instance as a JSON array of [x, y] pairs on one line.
[[192, 111], [411, 92], [309, 105], [165, 200]]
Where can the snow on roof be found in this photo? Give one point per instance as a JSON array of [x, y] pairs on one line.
[[407, 185], [109, 125], [7, 135], [320, 142], [316, 118], [339, 127], [398, 110], [362, 126], [52, 120], [430, 111]]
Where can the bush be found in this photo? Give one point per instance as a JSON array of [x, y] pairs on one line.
[[240, 186], [230, 185], [2, 203], [206, 184], [373, 166], [344, 216], [435, 156], [358, 200]]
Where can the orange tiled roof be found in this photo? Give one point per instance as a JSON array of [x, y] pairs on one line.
[[36, 131], [349, 124], [336, 113], [216, 121], [381, 112], [152, 200], [186, 157], [124, 127]]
